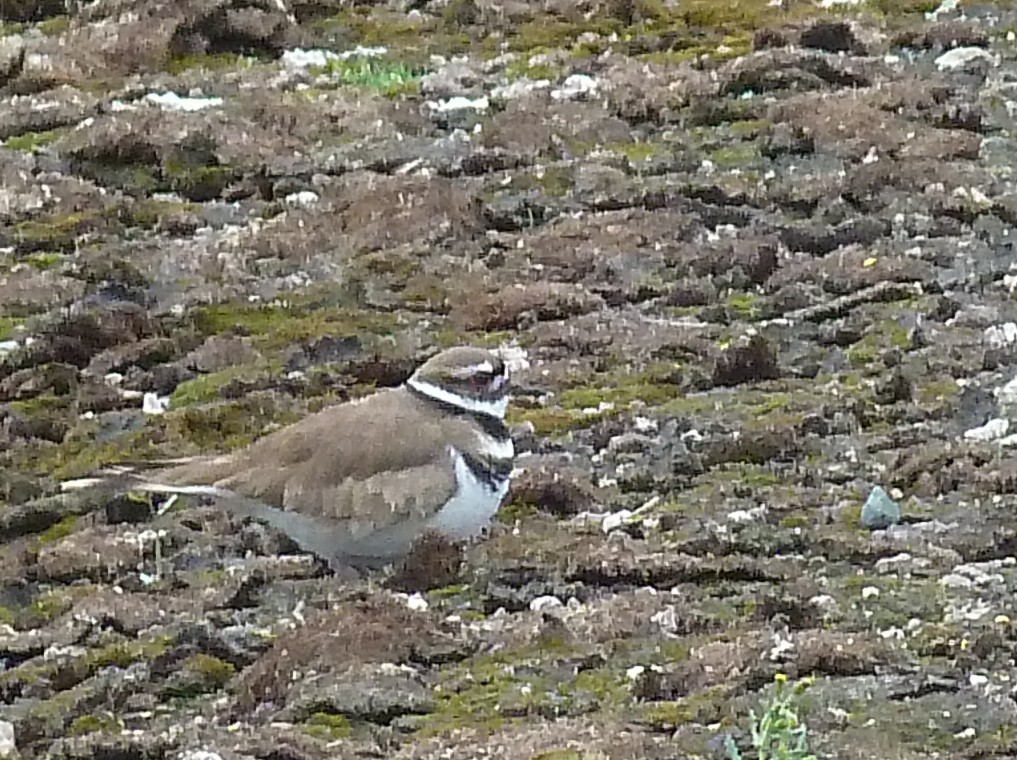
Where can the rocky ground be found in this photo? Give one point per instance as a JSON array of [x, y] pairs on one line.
[[750, 259]]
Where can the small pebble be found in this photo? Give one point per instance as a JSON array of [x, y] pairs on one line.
[[880, 511]]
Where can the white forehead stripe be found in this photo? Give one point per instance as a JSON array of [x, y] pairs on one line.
[[495, 408], [484, 368]]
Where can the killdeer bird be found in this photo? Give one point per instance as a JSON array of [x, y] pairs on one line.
[[357, 483]]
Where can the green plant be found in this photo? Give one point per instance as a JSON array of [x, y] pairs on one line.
[[384, 75], [779, 733]]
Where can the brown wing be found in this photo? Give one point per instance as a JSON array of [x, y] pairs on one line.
[[341, 463]]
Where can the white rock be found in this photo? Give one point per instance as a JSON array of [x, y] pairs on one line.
[[634, 672], [998, 336], [953, 580], [992, 430], [946, 6], [152, 403], [519, 88], [305, 59], [459, 103], [962, 57], [645, 425], [615, 520], [417, 602], [198, 754], [516, 359], [545, 603], [6, 346], [8, 746], [1007, 394], [746, 516], [170, 101], [576, 86], [303, 198]]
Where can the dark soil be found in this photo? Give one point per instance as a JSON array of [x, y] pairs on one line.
[[750, 260]]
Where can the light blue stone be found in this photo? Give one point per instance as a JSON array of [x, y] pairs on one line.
[[880, 511]]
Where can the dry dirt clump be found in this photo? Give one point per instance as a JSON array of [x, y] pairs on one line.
[[751, 261]]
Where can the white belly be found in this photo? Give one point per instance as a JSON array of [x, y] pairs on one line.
[[472, 508]]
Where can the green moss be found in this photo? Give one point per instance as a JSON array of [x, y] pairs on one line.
[[863, 353], [327, 726], [76, 457], [749, 128], [58, 232], [744, 305], [33, 141], [44, 261], [487, 691], [58, 531], [740, 14], [735, 156], [106, 723], [523, 69], [545, 34], [46, 608], [54, 25], [653, 385], [700, 708], [747, 475], [555, 181], [549, 420], [123, 654], [794, 521], [373, 26], [559, 754], [513, 511], [638, 152], [719, 49], [41, 404], [209, 387], [903, 7], [591, 398], [148, 212], [8, 325], [198, 182], [773, 402], [883, 335], [228, 426], [943, 389], [215, 671], [281, 326]]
